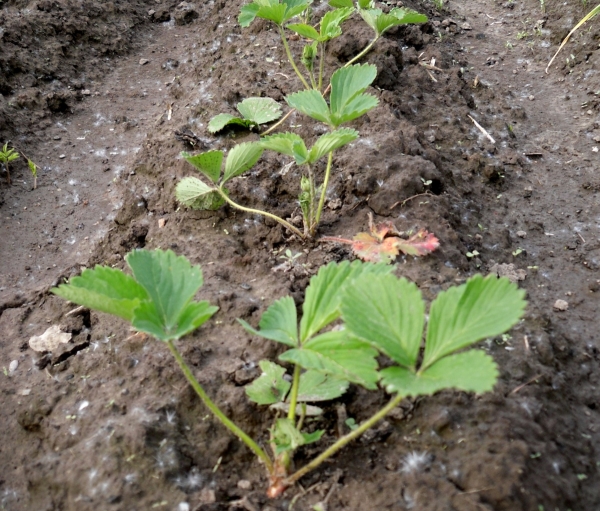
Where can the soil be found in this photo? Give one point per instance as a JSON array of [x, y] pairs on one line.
[[103, 96]]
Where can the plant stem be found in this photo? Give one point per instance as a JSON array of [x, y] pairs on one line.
[[321, 64], [278, 123], [302, 417], [287, 225], [291, 58], [313, 192], [312, 79], [217, 411], [362, 53], [342, 442], [323, 192], [294, 394]]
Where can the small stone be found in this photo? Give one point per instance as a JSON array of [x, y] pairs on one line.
[[62, 156], [143, 62], [590, 112], [207, 496], [560, 305], [521, 234], [244, 484], [13, 366], [161, 223], [531, 97], [151, 12], [56, 138], [51, 339], [86, 92], [466, 26]]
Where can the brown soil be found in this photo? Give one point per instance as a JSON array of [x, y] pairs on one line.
[[109, 423]]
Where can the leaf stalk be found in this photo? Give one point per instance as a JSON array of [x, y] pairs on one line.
[[291, 57], [252, 445], [323, 192]]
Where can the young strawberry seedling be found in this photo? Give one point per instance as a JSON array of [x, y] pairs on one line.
[[6, 156], [255, 111], [380, 315]]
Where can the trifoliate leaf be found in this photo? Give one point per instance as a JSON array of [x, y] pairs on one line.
[[104, 289], [347, 100], [279, 322], [463, 315], [259, 110], [209, 163], [171, 282], [269, 387], [331, 21], [337, 354], [316, 386], [330, 142], [241, 158], [388, 313], [286, 437], [473, 371], [195, 194], [419, 244], [324, 294], [289, 144], [311, 103], [366, 4]]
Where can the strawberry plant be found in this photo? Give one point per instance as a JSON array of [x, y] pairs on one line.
[[6, 156], [352, 313], [255, 111]]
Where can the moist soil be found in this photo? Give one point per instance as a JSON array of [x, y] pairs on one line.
[[103, 96]]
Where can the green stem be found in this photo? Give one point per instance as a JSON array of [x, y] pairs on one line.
[[294, 394], [313, 228], [302, 417], [321, 64], [278, 123], [313, 192], [287, 225], [291, 57], [217, 411], [362, 53], [342, 442], [311, 74]]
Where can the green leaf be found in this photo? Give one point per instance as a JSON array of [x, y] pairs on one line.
[[304, 31], [370, 16], [331, 21], [269, 387], [388, 313], [247, 14], [147, 318], [365, 4], [472, 371], [347, 100], [295, 7], [279, 323], [330, 142], [241, 158], [463, 315], [311, 103], [289, 144], [309, 54], [337, 354], [341, 4], [259, 110], [316, 386], [218, 122], [272, 11], [324, 293], [195, 194], [104, 289], [286, 437], [209, 163], [171, 282]]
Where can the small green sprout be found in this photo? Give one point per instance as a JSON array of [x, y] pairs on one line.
[[33, 168], [381, 314], [6, 156], [517, 252], [472, 254]]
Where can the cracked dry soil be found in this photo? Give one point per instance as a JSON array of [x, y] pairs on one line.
[[105, 95]]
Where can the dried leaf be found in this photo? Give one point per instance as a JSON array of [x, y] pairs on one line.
[[383, 243]]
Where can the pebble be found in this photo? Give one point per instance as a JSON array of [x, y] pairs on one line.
[[56, 138], [244, 484], [86, 92], [151, 12], [521, 234], [13, 366], [62, 156], [531, 97], [161, 223], [560, 305], [143, 62]]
